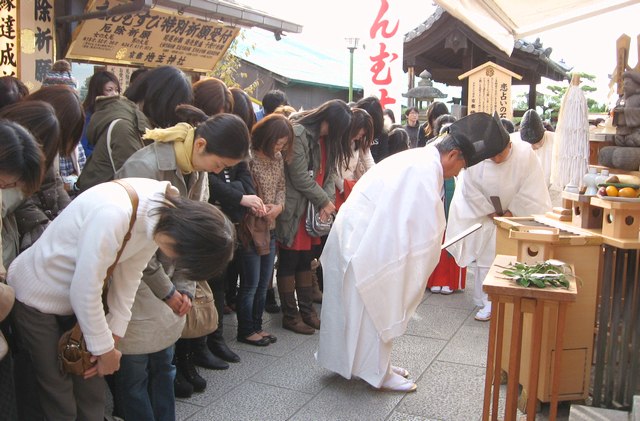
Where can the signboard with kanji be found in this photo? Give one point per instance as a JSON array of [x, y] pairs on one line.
[[489, 89], [26, 40], [152, 38]]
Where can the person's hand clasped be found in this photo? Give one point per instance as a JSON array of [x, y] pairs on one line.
[[327, 211], [179, 303], [107, 363], [254, 203]]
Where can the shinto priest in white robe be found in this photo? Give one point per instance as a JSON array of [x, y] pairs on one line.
[[520, 184], [379, 254]]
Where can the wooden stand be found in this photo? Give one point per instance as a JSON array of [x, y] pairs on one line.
[[583, 251], [583, 215], [619, 219], [524, 300]]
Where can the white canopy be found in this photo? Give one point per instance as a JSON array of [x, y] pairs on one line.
[[504, 21]]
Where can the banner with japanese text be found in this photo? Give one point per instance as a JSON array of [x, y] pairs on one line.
[[27, 45], [383, 41], [152, 38]]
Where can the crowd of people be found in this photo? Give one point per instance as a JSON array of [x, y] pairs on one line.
[[203, 164]]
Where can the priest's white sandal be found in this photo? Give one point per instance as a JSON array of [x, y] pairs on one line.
[[446, 290], [400, 371], [436, 290], [397, 383]]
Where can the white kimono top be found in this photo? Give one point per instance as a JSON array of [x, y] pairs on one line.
[[520, 184]]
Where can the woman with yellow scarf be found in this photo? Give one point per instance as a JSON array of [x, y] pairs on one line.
[[182, 154]]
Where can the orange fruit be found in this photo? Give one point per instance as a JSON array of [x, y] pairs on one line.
[[628, 192], [612, 191]]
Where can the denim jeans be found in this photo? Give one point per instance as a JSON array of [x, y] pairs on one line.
[[144, 386], [256, 272]]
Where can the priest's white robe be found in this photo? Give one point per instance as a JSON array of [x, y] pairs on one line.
[[382, 248], [520, 184], [544, 151]]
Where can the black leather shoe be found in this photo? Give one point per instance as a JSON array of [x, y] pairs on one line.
[[260, 342], [219, 348], [269, 336], [202, 357]]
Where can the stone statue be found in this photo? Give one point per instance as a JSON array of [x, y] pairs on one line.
[[626, 154]]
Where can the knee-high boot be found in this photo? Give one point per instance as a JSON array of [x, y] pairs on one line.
[[304, 291], [291, 319], [316, 270]]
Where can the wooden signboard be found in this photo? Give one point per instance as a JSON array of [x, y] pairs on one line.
[[27, 44], [151, 39], [490, 89]]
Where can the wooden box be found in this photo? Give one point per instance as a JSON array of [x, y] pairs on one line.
[[619, 219], [583, 214], [534, 243], [583, 252]]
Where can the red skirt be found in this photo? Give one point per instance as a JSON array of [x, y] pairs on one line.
[[302, 241], [447, 273]]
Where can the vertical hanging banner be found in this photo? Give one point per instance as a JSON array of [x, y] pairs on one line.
[[152, 38], [490, 89], [384, 43], [8, 38], [37, 43]]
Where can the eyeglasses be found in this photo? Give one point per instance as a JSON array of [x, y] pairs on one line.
[[9, 185]]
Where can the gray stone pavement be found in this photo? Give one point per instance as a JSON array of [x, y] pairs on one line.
[[444, 349]]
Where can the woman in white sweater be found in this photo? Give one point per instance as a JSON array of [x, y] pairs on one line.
[[62, 274]]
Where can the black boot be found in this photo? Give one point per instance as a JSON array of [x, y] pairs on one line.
[[186, 367], [181, 387], [219, 348], [202, 356], [270, 305]]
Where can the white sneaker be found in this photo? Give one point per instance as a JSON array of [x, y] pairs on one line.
[[446, 291], [436, 290], [483, 315]]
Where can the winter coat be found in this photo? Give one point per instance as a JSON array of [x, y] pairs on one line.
[[126, 138], [227, 188], [35, 213], [154, 326], [301, 188]]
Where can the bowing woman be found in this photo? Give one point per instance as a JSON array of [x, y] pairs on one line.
[[182, 155], [62, 274], [321, 142]]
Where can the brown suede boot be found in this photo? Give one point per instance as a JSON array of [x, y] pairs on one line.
[[304, 291], [291, 319], [316, 294]]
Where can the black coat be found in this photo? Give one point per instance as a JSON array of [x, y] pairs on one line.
[[227, 188]]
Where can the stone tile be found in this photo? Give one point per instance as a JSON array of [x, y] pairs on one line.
[[348, 400], [298, 370], [415, 353], [220, 382], [447, 391], [254, 401], [436, 321], [399, 416], [185, 410], [461, 299], [468, 346]]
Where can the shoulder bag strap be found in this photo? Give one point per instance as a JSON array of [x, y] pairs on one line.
[[133, 196], [113, 165]]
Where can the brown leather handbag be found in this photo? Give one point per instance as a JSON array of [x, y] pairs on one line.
[[73, 354]]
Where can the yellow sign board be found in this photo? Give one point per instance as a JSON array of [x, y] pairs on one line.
[[152, 38], [490, 90]]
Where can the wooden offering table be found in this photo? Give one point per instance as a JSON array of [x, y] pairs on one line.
[[581, 249], [524, 300]]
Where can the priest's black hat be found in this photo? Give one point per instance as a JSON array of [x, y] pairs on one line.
[[531, 128], [479, 136]]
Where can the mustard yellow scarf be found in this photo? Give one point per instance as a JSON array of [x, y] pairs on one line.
[[182, 137]]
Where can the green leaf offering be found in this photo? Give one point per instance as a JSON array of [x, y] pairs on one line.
[[552, 273]]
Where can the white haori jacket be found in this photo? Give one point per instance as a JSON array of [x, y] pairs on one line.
[[520, 184], [382, 247]]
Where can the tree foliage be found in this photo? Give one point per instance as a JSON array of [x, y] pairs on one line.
[[228, 68], [548, 105]]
